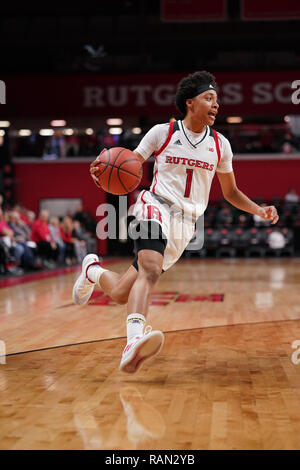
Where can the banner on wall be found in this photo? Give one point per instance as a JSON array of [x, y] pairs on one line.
[[192, 11], [258, 10], [253, 93]]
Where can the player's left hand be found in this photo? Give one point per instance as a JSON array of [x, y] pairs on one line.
[[269, 213]]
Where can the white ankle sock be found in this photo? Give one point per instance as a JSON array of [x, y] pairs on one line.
[[94, 273], [135, 325]]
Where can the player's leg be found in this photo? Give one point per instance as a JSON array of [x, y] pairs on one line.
[[149, 269], [153, 256], [117, 286], [142, 343]]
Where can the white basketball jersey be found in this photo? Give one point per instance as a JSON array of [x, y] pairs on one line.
[[183, 171]]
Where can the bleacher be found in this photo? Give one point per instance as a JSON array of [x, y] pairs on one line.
[[231, 232]]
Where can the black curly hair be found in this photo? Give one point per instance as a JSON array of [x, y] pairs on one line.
[[187, 88]]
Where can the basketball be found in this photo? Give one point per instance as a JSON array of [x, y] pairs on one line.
[[120, 171]]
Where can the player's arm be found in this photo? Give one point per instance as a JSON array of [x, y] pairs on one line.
[[238, 199]]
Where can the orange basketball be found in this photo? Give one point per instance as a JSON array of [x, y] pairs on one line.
[[120, 171]]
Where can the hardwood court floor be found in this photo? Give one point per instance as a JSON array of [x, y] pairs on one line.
[[224, 379]]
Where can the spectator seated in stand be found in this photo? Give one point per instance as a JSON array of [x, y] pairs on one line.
[[5, 256], [5, 230], [55, 232], [40, 234], [66, 230], [25, 246], [80, 241], [31, 217], [11, 251], [22, 211]]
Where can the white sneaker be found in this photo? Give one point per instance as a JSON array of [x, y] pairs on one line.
[[140, 349], [83, 287]]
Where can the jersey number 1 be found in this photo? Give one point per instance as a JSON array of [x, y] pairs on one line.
[[188, 183]]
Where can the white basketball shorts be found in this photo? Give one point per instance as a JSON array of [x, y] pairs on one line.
[[177, 230]]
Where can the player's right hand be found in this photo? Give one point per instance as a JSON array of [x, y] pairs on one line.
[[95, 179], [94, 164], [94, 169]]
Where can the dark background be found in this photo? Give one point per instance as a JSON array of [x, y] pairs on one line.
[[50, 38]]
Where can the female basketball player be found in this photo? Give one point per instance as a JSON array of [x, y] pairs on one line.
[[187, 155]]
